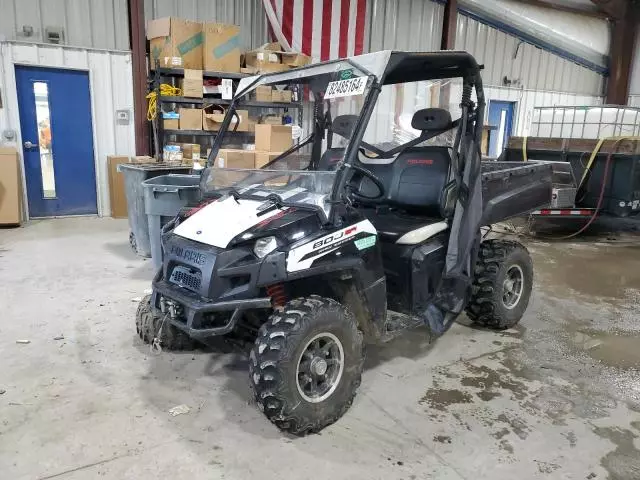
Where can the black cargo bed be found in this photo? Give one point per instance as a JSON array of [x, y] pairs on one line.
[[510, 189]]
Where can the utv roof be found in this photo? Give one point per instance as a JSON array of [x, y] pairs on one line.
[[388, 66], [415, 66]]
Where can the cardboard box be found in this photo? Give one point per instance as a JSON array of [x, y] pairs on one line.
[[282, 96], [190, 118], [273, 138], [213, 116], [260, 57], [175, 43], [117, 196], [293, 60], [170, 120], [234, 158], [141, 159], [191, 151], [271, 119], [272, 68], [171, 124], [192, 83], [221, 47], [262, 158], [263, 93], [10, 187]]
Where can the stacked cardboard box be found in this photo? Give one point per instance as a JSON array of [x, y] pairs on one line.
[[10, 187], [270, 57], [213, 116], [221, 47], [271, 141], [117, 197], [178, 43], [190, 118], [192, 83], [175, 43], [265, 93]]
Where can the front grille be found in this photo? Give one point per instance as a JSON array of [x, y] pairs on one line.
[[185, 277]]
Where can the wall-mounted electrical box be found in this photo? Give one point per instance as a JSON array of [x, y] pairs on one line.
[[54, 35]]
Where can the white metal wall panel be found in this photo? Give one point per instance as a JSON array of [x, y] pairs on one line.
[[525, 101], [403, 25], [523, 64], [248, 14], [110, 80], [634, 101], [86, 23]]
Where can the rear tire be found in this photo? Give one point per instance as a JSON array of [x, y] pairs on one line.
[[503, 278], [148, 323], [306, 364]]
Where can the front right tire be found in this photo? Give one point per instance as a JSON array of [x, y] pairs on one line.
[[306, 364]]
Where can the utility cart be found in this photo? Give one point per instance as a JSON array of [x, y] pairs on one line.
[[595, 156], [367, 227]]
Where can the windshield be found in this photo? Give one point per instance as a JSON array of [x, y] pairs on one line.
[[390, 122], [287, 133]]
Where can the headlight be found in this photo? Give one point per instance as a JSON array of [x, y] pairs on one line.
[[265, 246]]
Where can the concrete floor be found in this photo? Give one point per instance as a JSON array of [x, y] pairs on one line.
[[558, 397]]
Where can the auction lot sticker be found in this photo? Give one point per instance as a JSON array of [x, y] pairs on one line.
[[346, 88]]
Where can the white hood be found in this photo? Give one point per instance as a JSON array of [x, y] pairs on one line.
[[219, 222]]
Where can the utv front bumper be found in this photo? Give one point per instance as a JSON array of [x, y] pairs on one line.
[[203, 290], [196, 314]]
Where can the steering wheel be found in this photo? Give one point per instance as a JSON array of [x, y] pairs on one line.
[[379, 185]]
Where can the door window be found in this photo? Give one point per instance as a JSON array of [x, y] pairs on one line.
[[43, 119]]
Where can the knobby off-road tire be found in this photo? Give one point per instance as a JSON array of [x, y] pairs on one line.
[[148, 327], [503, 278], [295, 351]]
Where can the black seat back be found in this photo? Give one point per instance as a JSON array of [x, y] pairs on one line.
[[413, 182], [419, 177]]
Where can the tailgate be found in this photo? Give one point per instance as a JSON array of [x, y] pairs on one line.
[[510, 189]]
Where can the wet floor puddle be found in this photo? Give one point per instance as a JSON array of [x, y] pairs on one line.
[[589, 270], [611, 348]]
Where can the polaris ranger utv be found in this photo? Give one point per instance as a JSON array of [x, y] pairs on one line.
[[364, 228]]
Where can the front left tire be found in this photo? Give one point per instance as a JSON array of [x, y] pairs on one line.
[[306, 364], [151, 325]]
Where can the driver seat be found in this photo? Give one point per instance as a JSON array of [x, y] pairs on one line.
[[412, 210]]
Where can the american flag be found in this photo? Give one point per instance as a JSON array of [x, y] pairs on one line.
[[322, 29]]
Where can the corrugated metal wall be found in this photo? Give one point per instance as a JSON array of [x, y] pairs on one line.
[[86, 23], [404, 25], [523, 65], [104, 23], [111, 86], [248, 14]]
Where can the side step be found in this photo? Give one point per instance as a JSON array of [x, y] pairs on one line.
[[399, 322]]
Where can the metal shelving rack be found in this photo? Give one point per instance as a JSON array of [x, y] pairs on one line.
[[159, 74]]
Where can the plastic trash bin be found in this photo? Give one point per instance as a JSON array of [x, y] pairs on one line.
[[134, 175], [163, 197]]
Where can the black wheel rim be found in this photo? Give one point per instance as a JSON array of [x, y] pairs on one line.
[[320, 367], [512, 287]]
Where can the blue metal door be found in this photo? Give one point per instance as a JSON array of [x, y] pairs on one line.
[[501, 125], [57, 137]]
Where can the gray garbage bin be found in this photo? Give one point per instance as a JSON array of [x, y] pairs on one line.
[[134, 175], [163, 197]]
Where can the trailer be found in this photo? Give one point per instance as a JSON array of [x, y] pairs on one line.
[[592, 177]]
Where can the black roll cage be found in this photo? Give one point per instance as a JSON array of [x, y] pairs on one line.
[[402, 67]]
